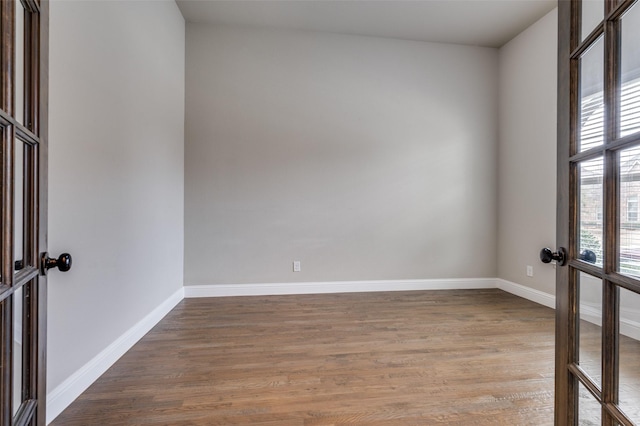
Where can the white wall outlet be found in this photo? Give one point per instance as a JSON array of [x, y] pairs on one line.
[[296, 266], [529, 270]]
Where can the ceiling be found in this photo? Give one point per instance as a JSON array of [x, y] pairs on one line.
[[489, 23]]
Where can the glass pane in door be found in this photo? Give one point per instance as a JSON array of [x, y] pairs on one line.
[[18, 247], [19, 58], [629, 211], [591, 118], [590, 338], [630, 72], [592, 15], [629, 371], [591, 205], [588, 408], [17, 349]]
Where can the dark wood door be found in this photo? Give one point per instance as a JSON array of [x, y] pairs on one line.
[[598, 301], [23, 126]]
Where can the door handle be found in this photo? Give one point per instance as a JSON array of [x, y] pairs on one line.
[[63, 262], [560, 256]]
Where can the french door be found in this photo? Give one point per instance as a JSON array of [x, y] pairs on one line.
[[23, 127], [598, 291]]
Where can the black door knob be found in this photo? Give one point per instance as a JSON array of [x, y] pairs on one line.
[[63, 263], [546, 256]]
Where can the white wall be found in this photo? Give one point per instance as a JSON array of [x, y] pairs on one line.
[[116, 171], [364, 158], [527, 154]]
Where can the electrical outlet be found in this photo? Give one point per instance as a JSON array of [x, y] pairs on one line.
[[529, 270], [296, 266]]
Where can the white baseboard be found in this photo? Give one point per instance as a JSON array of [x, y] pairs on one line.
[[630, 328], [540, 297], [66, 392], [589, 312], [224, 290]]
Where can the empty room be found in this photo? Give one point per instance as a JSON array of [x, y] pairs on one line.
[[320, 212]]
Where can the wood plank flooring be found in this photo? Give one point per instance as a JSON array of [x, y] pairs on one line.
[[468, 357]]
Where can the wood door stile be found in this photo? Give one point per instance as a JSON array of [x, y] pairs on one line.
[[24, 139]]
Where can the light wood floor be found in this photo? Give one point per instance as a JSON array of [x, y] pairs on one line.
[[469, 357]]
